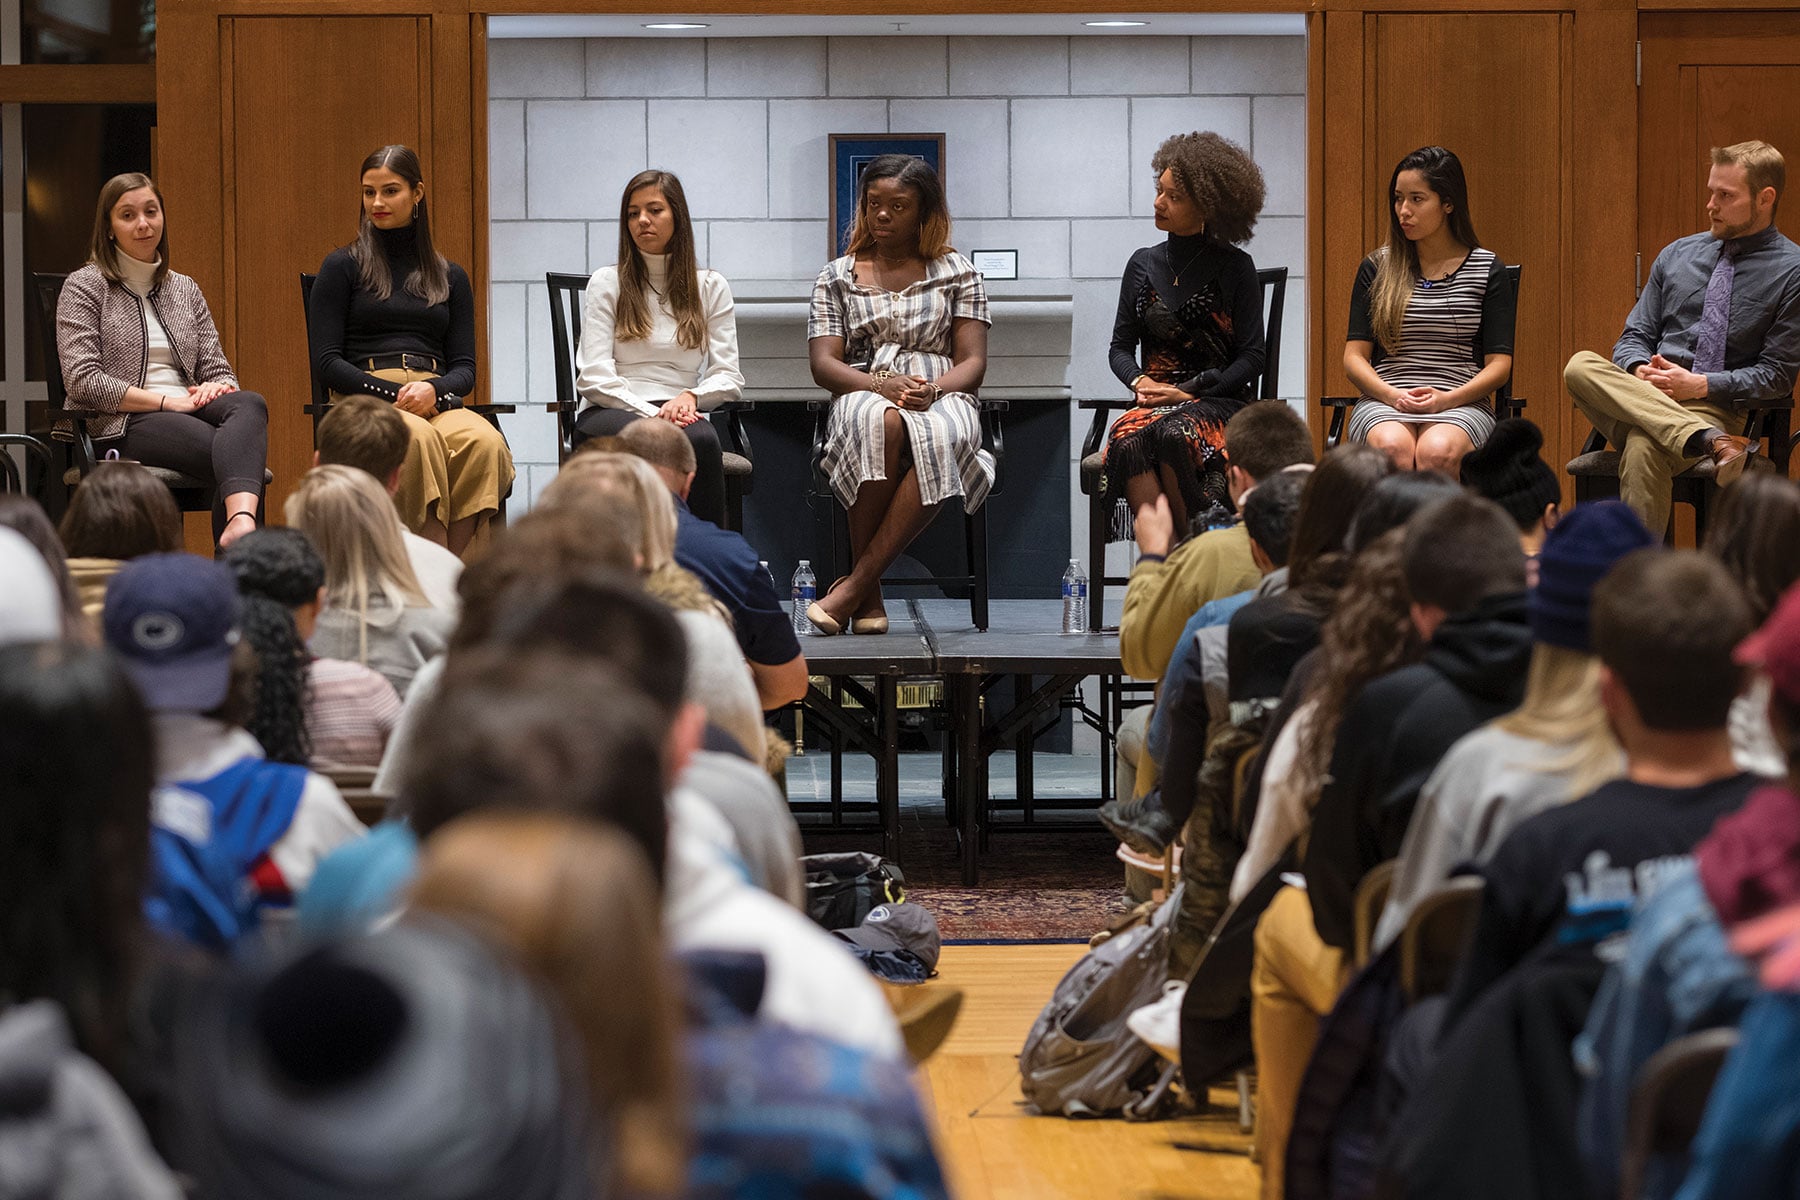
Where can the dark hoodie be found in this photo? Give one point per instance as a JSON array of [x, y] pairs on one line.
[[1392, 735]]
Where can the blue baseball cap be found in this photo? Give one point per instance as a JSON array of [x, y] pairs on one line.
[[172, 619]]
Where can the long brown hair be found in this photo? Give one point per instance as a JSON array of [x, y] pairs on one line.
[[1369, 633], [103, 252], [577, 904], [430, 280], [631, 317], [1397, 264], [1757, 536], [934, 213]]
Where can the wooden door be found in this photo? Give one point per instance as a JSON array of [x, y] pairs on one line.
[[1709, 79], [261, 132]]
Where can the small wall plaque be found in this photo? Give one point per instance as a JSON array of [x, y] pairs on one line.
[[996, 264]]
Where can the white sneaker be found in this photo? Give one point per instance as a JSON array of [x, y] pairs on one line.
[[1158, 1024]]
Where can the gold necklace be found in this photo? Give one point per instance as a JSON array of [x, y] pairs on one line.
[[1175, 278]]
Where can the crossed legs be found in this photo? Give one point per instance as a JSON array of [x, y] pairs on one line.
[[887, 516]]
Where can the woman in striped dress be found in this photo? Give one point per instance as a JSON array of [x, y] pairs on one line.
[[1431, 323], [898, 335]]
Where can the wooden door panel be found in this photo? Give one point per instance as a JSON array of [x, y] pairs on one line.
[[355, 83], [1511, 146]]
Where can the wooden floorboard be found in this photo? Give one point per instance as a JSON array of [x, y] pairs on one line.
[[994, 1150]]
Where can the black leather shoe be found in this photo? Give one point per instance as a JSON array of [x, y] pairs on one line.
[[1140, 823]]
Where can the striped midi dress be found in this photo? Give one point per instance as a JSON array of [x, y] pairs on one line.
[[907, 332], [1450, 327]]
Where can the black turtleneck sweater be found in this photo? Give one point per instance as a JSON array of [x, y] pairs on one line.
[[1205, 336], [349, 325]]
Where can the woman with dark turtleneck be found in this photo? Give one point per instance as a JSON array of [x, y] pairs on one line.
[[1193, 307], [391, 318]]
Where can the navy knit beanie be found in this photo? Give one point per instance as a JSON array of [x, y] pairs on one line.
[[1509, 470], [1577, 555]]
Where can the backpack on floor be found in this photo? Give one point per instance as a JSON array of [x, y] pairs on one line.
[[842, 889], [1079, 1060]]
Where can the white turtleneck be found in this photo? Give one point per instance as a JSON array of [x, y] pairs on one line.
[[643, 373], [162, 373]]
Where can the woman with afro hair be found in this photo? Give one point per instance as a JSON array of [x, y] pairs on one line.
[[1188, 337]]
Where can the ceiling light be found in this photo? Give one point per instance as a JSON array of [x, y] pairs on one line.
[[1114, 24], [678, 25]]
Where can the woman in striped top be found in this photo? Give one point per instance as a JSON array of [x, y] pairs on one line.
[[898, 335], [1431, 323]]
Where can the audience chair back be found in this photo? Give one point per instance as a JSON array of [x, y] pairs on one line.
[[38, 465], [357, 786], [567, 296], [191, 495], [1436, 935], [1506, 404], [1371, 898], [1274, 282], [1668, 1101]]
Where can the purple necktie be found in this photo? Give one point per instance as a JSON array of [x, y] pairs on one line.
[[1715, 315]]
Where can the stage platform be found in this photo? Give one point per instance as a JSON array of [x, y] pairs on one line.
[[934, 639]]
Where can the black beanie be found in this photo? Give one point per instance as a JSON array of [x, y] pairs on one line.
[[1508, 470]]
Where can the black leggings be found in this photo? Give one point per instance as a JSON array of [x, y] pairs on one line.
[[225, 445], [707, 500]]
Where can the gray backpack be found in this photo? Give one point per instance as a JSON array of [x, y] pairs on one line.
[[1079, 1059]]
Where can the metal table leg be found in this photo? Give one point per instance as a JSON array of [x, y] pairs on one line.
[[887, 765], [971, 803]]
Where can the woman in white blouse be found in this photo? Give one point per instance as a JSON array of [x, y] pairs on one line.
[[659, 335]]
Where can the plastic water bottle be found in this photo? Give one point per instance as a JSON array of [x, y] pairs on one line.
[[1075, 598], [805, 591]]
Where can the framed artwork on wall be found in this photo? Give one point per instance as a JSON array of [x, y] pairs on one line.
[[851, 152]]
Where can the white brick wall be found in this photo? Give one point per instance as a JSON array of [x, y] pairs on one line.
[[1047, 152]]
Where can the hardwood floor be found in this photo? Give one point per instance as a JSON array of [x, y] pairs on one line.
[[994, 1150]]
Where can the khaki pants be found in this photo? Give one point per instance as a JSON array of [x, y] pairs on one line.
[[1650, 431], [1295, 978], [1135, 773], [456, 463]]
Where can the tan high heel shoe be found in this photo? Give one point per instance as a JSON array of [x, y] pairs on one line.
[[869, 625], [822, 620]]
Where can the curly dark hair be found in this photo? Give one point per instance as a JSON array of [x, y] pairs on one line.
[[277, 570], [1220, 177]]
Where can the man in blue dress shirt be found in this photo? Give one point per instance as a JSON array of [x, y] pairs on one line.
[[1718, 324]]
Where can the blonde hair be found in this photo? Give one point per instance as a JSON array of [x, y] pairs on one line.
[[606, 473], [1562, 709], [351, 520], [576, 904], [1763, 165]]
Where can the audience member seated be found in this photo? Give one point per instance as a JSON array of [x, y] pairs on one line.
[[77, 756], [1559, 890], [26, 517], [1756, 534], [574, 903], [375, 612], [118, 512], [414, 1063], [232, 833], [728, 566], [1431, 323], [519, 731], [139, 351], [719, 677], [582, 532], [347, 712], [1464, 576], [371, 435], [1510, 470], [1717, 324], [1170, 582], [1678, 973], [1364, 630], [1554, 747], [394, 319], [30, 607], [1181, 702]]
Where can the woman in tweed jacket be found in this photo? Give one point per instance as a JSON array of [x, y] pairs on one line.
[[139, 350]]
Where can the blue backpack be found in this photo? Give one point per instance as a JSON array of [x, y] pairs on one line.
[[205, 836]]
